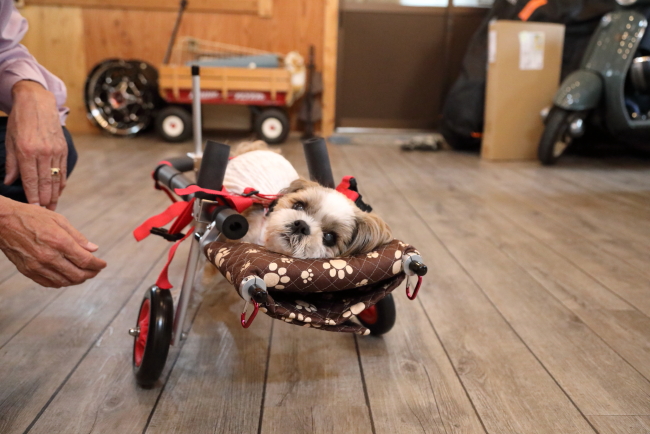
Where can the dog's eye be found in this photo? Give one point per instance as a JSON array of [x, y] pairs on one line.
[[299, 206], [329, 239]]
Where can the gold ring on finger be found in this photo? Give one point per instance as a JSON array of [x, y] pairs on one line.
[[55, 171]]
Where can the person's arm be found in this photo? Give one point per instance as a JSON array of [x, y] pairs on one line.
[[34, 99], [45, 247]]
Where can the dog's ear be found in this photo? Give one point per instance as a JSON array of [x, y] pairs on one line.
[[371, 232], [299, 184]]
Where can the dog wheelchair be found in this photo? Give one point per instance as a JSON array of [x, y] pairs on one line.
[[319, 293]]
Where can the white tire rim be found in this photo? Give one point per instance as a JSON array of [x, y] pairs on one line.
[[173, 126], [272, 128]]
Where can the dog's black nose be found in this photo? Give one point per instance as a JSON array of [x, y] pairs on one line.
[[300, 227]]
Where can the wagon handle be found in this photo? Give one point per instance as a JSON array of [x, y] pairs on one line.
[[177, 24]]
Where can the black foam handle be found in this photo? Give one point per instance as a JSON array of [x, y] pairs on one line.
[[230, 223], [318, 162], [213, 167], [171, 177], [182, 164]]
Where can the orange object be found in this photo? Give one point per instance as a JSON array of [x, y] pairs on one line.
[[531, 7]]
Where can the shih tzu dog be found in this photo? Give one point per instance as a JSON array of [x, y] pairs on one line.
[[306, 220]]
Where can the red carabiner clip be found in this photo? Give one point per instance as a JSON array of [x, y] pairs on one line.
[[247, 323], [415, 292]]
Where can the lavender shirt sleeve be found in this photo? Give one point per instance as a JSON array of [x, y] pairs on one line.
[[17, 64]]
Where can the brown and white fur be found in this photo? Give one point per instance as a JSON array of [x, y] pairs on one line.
[[311, 221]]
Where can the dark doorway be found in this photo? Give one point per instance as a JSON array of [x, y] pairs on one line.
[[396, 62]]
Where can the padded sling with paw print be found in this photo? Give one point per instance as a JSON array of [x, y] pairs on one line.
[[320, 293]]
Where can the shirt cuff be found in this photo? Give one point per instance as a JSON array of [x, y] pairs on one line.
[[19, 70]]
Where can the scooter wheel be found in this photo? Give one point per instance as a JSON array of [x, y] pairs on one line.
[[152, 336], [556, 137], [380, 318]]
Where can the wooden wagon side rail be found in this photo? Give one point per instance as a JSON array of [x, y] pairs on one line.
[[273, 80]]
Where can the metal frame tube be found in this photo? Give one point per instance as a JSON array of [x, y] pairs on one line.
[[196, 110], [186, 290]]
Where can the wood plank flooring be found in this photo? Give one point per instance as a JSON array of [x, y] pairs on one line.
[[534, 317]]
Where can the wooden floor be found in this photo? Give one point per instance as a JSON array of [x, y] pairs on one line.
[[534, 317]]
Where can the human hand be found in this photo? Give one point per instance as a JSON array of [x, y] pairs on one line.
[[45, 247], [35, 144]]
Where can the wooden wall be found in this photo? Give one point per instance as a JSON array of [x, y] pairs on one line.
[[101, 33], [61, 50]]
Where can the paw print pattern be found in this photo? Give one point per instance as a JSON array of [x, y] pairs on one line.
[[252, 251], [372, 255], [221, 254], [277, 279], [397, 265], [306, 306], [286, 260], [338, 267], [245, 266], [364, 282], [307, 275], [303, 318], [354, 310]]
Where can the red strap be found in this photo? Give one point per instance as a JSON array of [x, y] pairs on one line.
[[163, 279], [160, 220], [167, 192], [344, 187], [184, 219], [240, 203]]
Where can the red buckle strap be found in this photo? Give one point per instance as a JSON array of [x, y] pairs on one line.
[[344, 187], [160, 220], [163, 278], [238, 202]]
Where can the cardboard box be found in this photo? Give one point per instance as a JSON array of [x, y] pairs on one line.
[[524, 64]]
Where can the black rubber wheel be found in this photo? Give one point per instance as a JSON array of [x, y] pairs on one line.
[[122, 96], [174, 124], [380, 318], [152, 336], [556, 137], [272, 126]]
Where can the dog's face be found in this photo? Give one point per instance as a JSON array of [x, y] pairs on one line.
[[311, 221]]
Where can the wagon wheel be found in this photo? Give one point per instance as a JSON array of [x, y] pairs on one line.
[[121, 96], [272, 126], [174, 124]]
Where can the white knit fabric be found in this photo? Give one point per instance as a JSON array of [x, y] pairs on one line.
[[264, 171]]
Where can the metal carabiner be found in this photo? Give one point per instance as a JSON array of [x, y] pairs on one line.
[[247, 323], [417, 288]]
